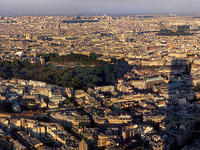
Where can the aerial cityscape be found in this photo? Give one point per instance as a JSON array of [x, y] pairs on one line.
[[99, 81]]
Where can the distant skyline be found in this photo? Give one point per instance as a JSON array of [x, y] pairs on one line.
[[91, 7]]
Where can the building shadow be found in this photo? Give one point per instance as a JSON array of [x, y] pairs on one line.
[[178, 126]]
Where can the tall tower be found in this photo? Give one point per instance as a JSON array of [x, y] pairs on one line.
[[27, 36]]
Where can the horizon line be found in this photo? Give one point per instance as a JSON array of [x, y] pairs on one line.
[[100, 14]]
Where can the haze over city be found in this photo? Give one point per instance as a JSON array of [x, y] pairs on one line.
[[91, 7], [99, 74]]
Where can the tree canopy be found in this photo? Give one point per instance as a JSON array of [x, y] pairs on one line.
[[80, 77]]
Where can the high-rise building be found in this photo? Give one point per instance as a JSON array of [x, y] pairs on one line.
[[83, 145]]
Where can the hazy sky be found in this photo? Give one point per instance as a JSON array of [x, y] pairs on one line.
[[65, 7]]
